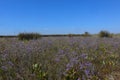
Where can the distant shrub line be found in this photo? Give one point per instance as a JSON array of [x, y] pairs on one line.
[[31, 36]]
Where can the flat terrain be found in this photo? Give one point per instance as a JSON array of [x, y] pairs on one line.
[[60, 58]]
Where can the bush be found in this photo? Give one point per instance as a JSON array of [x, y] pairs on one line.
[[70, 35], [86, 34], [105, 34], [28, 36]]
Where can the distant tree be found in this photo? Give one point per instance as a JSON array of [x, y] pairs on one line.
[[70, 35], [86, 34]]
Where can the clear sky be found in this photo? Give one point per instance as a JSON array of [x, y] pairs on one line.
[[59, 16]]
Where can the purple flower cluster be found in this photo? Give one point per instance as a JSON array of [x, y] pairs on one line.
[[83, 68]]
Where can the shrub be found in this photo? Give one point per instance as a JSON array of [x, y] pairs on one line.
[[105, 34], [86, 34], [28, 36], [70, 35]]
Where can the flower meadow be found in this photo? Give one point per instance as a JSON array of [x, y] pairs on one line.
[[60, 58]]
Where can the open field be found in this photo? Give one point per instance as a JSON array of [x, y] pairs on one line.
[[60, 58]]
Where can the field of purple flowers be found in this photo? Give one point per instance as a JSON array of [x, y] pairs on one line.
[[60, 58]]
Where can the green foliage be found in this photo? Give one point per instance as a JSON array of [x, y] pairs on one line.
[[40, 74], [105, 34], [28, 36]]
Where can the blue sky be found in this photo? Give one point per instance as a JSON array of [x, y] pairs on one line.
[[59, 16]]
